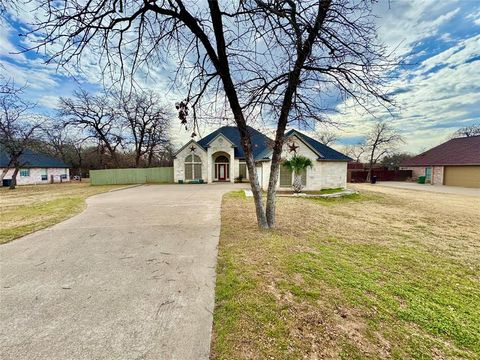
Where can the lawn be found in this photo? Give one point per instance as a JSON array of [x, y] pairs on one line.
[[388, 273], [30, 208]]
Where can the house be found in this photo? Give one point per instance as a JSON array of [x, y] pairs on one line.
[[219, 157], [36, 168], [455, 163]]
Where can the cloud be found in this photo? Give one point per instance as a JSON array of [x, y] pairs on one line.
[[431, 104], [404, 23], [475, 17], [49, 101]]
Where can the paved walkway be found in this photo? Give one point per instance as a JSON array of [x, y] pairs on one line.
[[431, 188], [132, 277]]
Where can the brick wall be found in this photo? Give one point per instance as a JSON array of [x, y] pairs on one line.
[[437, 175], [35, 176]]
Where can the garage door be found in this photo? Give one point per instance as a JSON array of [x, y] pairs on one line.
[[466, 176]]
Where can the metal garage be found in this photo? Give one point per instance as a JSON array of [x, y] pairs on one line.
[[466, 176]]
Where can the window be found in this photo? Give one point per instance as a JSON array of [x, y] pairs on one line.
[[193, 167], [428, 173], [242, 171], [221, 159], [24, 172], [285, 177], [44, 174]]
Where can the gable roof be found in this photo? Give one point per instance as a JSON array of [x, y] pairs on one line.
[[260, 142], [323, 151], [184, 146], [458, 151], [32, 159]]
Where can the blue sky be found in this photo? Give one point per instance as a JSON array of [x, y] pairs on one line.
[[436, 93]]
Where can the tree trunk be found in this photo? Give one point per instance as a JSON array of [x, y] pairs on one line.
[[370, 165], [272, 192], [4, 172], [13, 184], [297, 183], [257, 192], [220, 61], [294, 77]]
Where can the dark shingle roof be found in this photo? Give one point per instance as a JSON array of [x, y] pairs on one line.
[[31, 159], [259, 141], [459, 151], [324, 152]]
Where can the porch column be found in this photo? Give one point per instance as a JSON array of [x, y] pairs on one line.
[[209, 165], [232, 164]]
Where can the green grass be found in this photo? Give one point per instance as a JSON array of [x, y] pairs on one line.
[[325, 191], [39, 216], [367, 277], [30, 208], [406, 286]]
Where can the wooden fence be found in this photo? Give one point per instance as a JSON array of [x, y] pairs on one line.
[[382, 175], [131, 176]]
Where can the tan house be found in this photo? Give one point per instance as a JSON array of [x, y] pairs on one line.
[[219, 157], [455, 163]]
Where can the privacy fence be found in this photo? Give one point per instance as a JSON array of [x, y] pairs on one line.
[[381, 174], [131, 176]]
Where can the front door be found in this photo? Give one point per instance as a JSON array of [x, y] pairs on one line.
[[222, 172]]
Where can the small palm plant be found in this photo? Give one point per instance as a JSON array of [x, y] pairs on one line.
[[297, 164]]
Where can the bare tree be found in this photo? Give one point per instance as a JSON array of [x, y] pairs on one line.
[[326, 137], [18, 128], [267, 58], [63, 142], [98, 118], [148, 122], [381, 141], [356, 151], [467, 131]]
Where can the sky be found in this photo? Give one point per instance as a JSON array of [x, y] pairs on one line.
[[436, 92]]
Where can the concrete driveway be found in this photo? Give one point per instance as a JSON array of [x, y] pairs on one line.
[[429, 188], [132, 277]]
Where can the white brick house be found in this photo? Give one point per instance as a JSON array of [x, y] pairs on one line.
[[36, 169], [219, 157]]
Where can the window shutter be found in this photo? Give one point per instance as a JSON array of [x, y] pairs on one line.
[[285, 177], [243, 170], [188, 172], [197, 171]]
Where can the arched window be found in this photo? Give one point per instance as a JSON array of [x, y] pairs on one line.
[[193, 167], [221, 159]]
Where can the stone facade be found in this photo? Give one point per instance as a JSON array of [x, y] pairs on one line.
[[179, 161], [35, 175], [323, 174], [219, 146]]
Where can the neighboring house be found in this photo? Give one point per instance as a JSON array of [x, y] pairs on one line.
[[36, 169], [219, 157], [455, 162]]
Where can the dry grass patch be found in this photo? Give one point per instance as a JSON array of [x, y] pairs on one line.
[[384, 274], [30, 208]]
